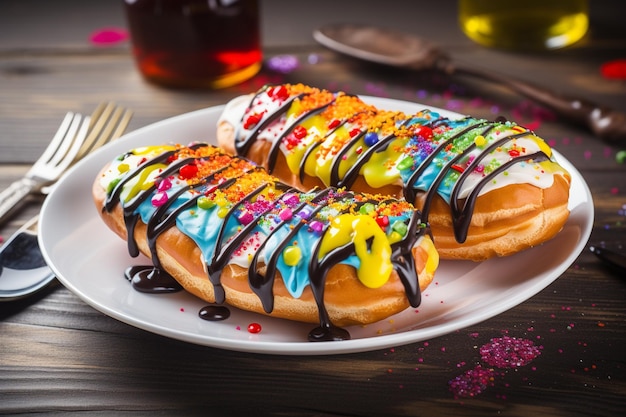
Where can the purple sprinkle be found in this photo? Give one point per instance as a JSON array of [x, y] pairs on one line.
[[283, 63], [316, 226], [291, 199], [313, 59], [305, 213]]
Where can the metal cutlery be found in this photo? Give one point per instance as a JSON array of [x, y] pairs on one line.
[[398, 49], [23, 270], [610, 257]]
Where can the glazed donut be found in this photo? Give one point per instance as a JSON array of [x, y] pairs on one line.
[[228, 232], [486, 188]]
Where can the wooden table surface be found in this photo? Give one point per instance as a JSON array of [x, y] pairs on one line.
[[60, 356]]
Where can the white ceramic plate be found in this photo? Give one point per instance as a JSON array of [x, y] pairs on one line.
[[90, 260]]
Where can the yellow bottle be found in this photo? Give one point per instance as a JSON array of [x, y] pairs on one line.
[[524, 24]]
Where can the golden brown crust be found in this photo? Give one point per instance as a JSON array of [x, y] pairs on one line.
[[505, 220], [346, 299]]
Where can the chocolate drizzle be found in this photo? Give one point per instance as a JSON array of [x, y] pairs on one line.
[[461, 210], [273, 154], [149, 279], [262, 284], [243, 142], [263, 266]]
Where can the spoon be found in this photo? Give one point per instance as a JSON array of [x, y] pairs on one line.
[[610, 257], [23, 271], [397, 49]]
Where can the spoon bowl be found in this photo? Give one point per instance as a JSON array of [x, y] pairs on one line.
[[381, 46], [23, 270]]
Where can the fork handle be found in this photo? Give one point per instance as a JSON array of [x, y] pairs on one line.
[[14, 195]]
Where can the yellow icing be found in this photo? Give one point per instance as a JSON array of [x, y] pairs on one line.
[[153, 150], [314, 126], [381, 170], [375, 264], [433, 256], [543, 146], [144, 181]]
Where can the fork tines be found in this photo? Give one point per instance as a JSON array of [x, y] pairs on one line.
[[108, 122]]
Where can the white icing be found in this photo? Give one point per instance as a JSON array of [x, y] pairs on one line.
[[519, 173]]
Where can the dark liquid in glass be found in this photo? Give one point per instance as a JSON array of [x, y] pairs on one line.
[[195, 43]]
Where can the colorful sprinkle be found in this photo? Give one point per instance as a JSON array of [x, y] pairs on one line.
[[283, 63], [472, 383], [188, 171], [109, 36], [254, 328], [292, 255], [614, 70], [509, 352], [370, 138], [159, 199]]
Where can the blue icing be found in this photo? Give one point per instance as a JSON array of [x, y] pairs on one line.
[[146, 209], [424, 148], [202, 226], [296, 278]]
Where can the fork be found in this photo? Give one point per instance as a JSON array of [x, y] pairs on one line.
[[75, 138]]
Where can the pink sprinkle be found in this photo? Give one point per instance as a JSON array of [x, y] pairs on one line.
[[285, 214], [534, 125], [164, 184], [509, 352], [108, 36], [587, 154], [246, 217], [614, 190], [472, 382], [159, 199]]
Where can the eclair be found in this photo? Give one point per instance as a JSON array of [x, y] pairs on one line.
[[225, 230], [486, 188]]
